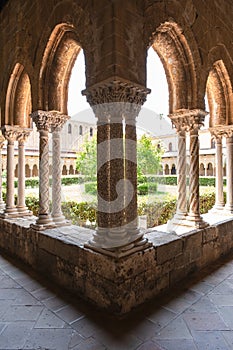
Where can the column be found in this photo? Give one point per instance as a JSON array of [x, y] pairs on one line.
[[2, 203], [43, 121], [131, 215], [57, 124], [21, 206], [10, 133], [117, 239], [219, 200], [194, 217], [229, 172]]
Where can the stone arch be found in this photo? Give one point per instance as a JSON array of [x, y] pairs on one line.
[[71, 170], [64, 170], [57, 63], [173, 169], [166, 169], [27, 170], [172, 47], [18, 98], [209, 170], [202, 170], [219, 92], [35, 171]]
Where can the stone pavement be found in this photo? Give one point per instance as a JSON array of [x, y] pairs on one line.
[[34, 314]]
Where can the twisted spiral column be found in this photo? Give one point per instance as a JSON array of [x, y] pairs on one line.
[[181, 210], [194, 197], [229, 171], [2, 203]]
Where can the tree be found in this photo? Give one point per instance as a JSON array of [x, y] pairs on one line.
[[86, 159], [149, 156]]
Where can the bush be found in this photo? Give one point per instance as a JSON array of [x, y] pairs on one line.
[[91, 188], [145, 188], [80, 213]]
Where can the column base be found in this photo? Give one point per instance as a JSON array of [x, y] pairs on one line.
[[228, 209], [178, 219], [2, 205], [195, 221], [24, 211], [9, 213], [217, 209], [60, 220], [118, 252], [43, 222]]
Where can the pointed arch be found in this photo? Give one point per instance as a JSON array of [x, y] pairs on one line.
[[172, 47], [219, 92], [18, 98], [57, 63]]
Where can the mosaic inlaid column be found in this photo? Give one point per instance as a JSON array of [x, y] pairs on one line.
[[131, 215], [10, 133], [196, 120], [57, 215], [21, 206], [43, 122], [219, 200], [116, 239], [229, 172], [2, 203]]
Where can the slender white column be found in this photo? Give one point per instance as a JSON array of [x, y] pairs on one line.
[[229, 171], [43, 122], [219, 201], [57, 124], [2, 203], [21, 206], [10, 133]]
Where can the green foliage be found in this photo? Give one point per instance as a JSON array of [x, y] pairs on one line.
[[80, 213], [33, 204], [145, 188], [86, 159], [91, 188], [148, 156]]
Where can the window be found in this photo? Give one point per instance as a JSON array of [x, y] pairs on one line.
[[69, 129], [212, 143], [80, 130], [170, 147], [91, 132]]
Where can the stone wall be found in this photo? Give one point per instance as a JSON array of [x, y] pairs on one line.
[[117, 285]]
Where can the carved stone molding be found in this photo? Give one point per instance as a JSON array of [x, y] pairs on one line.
[[116, 91], [222, 131], [49, 120], [188, 119]]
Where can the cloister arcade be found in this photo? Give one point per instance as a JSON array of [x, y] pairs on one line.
[[34, 89]]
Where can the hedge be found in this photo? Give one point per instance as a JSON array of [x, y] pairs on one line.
[[158, 213], [149, 187]]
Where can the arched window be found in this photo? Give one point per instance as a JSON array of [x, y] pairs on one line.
[[91, 132], [212, 143], [69, 129], [80, 130], [170, 146]]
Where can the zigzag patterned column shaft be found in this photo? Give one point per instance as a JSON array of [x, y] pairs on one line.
[[194, 206], [44, 173], [181, 176], [2, 204], [229, 153]]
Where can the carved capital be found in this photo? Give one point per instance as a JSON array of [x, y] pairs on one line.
[[23, 134], [58, 120], [42, 119], [116, 91], [188, 119], [221, 131], [11, 132]]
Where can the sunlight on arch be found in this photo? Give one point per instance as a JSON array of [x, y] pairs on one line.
[[153, 116], [77, 102]]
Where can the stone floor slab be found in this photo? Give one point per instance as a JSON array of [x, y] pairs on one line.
[[15, 335], [48, 319], [210, 341], [205, 321]]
